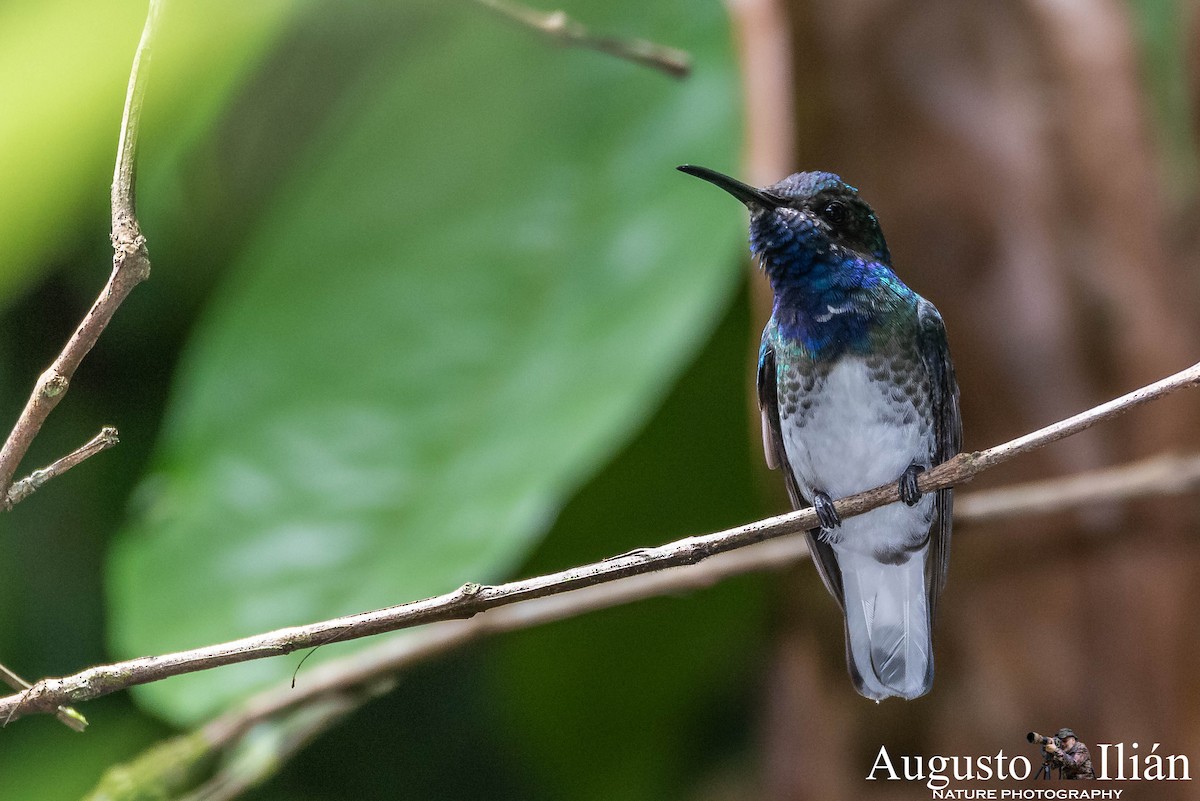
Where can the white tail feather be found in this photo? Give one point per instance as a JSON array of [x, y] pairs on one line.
[[887, 625]]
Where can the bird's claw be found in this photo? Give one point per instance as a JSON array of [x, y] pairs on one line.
[[827, 515], [908, 484]]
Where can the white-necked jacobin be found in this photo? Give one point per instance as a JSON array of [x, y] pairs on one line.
[[856, 389]]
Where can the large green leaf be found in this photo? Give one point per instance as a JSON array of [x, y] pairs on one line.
[[480, 277], [658, 687]]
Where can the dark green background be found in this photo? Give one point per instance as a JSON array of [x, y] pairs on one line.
[[429, 305]]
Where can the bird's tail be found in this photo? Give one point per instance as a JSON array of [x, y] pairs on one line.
[[889, 647]]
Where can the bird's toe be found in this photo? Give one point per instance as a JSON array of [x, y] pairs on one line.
[[909, 493], [827, 514]]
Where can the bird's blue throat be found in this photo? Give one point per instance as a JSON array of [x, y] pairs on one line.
[[829, 300]]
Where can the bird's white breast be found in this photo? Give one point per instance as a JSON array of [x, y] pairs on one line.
[[857, 435]]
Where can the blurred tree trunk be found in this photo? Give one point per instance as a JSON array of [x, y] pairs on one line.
[[1010, 152]]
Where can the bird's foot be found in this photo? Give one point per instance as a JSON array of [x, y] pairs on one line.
[[827, 515], [908, 484]]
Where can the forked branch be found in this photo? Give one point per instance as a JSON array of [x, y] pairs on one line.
[[131, 266]]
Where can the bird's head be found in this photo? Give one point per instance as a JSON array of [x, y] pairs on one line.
[[802, 215]]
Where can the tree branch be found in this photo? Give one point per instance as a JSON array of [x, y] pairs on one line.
[[22, 489], [1156, 476], [471, 599], [131, 266], [1167, 474], [67, 716], [341, 686], [557, 26]]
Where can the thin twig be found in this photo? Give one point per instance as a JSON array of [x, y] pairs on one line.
[[22, 489], [1168, 474], [251, 767], [566, 31], [124, 205], [131, 266], [471, 599]]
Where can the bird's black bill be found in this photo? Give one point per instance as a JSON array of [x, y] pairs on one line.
[[743, 192]]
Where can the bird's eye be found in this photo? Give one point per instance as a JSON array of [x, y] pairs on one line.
[[835, 213]]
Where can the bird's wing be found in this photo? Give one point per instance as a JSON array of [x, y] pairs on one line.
[[768, 404], [947, 430], [768, 407]]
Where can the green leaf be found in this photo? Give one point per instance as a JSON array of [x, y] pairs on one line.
[[479, 277], [658, 687]]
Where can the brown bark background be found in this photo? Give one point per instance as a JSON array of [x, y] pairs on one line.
[[1012, 153]]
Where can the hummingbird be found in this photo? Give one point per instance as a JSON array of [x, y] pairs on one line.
[[856, 389]]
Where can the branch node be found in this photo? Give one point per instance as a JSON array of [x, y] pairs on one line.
[[52, 384], [125, 230], [131, 258]]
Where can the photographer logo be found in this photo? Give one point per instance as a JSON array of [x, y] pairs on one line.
[[1064, 770]]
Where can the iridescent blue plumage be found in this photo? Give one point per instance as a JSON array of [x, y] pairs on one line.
[[824, 309], [856, 389]]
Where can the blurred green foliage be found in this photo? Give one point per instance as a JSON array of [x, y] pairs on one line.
[[1164, 27], [64, 69], [473, 280], [422, 286], [417, 277]]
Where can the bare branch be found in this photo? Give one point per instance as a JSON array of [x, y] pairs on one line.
[[471, 599], [22, 489], [251, 767], [131, 266], [1160, 475], [1167, 474], [560, 28], [124, 212], [341, 686]]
